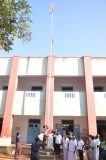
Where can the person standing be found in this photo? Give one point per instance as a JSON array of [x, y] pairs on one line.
[[98, 145], [101, 148], [104, 153], [65, 147], [58, 140], [88, 147], [72, 149], [80, 145], [94, 148], [35, 147], [45, 136], [18, 146], [54, 145]]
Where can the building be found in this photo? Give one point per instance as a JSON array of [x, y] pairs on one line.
[[62, 92]]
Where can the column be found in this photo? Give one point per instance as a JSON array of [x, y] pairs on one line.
[[12, 87], [49, 93], [91, 117]]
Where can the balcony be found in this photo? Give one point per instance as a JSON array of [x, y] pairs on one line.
[[3, 95], [100, 103], [69, 104], [29, 103]]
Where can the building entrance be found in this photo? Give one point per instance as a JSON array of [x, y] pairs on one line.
[[101, 128], [33, 130], [68, 126]]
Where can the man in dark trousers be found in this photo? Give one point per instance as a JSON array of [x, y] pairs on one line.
[[58, 140], [35, 147]]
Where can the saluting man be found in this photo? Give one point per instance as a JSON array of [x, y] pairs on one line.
[[35, 147]]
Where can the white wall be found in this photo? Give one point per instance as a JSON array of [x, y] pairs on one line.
[[32, 66], [5, 66], [100, 103], [2, 101], [22, 122], [24, 105], [69, 66], [98, 66], [66, 106], [76, 83], [77, 120]]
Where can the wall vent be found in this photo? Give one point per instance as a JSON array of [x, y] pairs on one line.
[[30, 94], [69, 95]]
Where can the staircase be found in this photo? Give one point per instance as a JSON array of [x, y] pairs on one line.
[[49, 154]]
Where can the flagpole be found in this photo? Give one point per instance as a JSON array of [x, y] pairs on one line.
[[52, 35], [51, 53]]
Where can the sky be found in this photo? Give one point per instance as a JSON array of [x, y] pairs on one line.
[[79, 29]]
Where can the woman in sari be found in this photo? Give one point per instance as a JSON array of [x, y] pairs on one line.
[[18, 146]]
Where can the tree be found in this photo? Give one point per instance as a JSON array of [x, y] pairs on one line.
[[14, 22]]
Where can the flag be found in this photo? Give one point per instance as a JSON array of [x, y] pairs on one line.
[[52, 8]]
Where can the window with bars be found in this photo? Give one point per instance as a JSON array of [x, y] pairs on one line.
[[98, 88], [67, 88], [36, 88], [5, 88]]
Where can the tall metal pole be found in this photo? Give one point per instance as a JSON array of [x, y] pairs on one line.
[[51, 53]]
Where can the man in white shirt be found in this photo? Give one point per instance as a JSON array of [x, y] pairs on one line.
[[94, 148], [58, 140], [80, 145], [97, 144], [65, 147]]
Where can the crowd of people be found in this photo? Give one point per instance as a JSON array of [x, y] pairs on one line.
[[94, 148]]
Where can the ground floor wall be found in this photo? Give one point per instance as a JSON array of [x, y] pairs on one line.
[[20, 124]]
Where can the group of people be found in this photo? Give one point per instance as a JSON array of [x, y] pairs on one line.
[[94, 147]]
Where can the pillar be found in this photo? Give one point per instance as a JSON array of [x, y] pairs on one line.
[[12, 87], [49, 93], [91, 114]]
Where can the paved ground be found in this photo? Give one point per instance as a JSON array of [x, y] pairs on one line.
[[4, 157]]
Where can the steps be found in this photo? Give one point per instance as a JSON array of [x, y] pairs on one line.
[[48, 154]]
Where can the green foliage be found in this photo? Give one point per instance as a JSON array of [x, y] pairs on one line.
[[14, 22]]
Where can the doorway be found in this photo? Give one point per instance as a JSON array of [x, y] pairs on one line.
[[101, 128], [33, 130]]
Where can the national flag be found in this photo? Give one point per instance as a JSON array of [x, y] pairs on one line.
[[52, 8]]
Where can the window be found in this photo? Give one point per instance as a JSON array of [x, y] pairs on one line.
[[34, 121], [98, 89], [100, 122], [5, 88], [67, 122], [37, 88], [67, 89]]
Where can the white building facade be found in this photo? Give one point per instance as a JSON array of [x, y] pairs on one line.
[[61, 92]]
